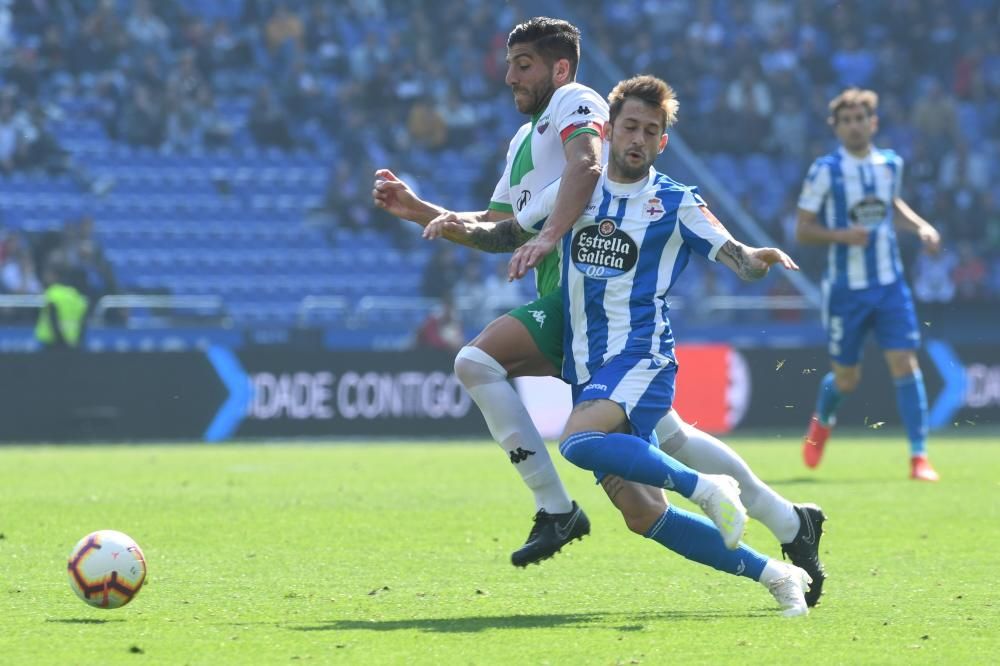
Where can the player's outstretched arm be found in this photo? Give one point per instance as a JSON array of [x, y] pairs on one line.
[[503, 236], [908, 220], [397, 198], [753, 263], [808, 231], [579, 178]]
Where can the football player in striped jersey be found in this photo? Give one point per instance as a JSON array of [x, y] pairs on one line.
[[851, 202]]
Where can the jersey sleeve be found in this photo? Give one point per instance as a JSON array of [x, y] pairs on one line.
[[532, 217], [580, 111], [815, 188], [700, 229], [500, 201]]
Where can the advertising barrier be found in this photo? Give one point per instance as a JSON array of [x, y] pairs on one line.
[[282, 391]]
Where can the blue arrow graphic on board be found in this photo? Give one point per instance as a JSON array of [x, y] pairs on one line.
[[952, 396], [237, 382]]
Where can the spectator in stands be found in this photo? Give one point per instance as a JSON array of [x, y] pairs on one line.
[[502, 294], [146, 30], [935, 117], [933, 281], [442, 329], [10, 134], [142, 121], [17, 268], [62, 320], [970, 274], [101, 40], [269, 124], [425, 125], [284, 34], [471, 296], [789, 129], [459, 118], [441, 273], [749, 102], [82, 261], [965, 167]]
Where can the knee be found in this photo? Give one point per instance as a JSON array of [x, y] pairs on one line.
[[847, 382], [641, 516], [671, 433], [474, 367]]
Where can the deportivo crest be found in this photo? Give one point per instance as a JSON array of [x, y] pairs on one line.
[[653, 209], [603, 251]]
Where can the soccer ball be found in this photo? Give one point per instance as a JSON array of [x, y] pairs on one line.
[[106, 569]]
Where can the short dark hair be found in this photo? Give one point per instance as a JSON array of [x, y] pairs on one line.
[[554, 39], [648, 89]]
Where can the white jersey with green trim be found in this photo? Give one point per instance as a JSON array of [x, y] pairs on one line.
[[535, 157]]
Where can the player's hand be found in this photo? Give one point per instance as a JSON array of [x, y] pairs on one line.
[[443, 223], [931, 239], [854, 235], [395, 196], [528, 256], [765, 257]]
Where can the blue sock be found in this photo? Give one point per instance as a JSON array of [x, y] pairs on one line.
[[697, 539], [828, 400], [911, 397], [629, 457]]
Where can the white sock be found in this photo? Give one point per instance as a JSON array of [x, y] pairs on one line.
[[773, 570], [511, 426], [708, 455]]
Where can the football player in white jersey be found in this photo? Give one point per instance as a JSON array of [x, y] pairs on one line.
[[850, 201], [618, 263], [520, 343], [561, 139]]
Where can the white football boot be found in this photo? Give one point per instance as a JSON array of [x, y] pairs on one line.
[[720, 500]]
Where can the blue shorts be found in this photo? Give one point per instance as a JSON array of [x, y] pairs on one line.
[[849, 314], [642, 384]]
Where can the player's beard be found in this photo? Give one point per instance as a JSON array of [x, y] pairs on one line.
[[625, 170], [538, 98]]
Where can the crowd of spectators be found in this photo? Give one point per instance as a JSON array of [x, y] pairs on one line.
[[754, 78], [371, 83]]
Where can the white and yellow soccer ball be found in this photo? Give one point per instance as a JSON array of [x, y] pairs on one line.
[[106, 569]]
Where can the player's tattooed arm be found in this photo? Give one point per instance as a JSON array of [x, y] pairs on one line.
[[752, 263], [501, 236], [735, 256]]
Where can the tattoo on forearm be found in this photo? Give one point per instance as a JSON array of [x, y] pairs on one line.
[[503, 236], [739, 256]]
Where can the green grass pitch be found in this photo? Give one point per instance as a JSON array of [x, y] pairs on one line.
[[397, 553]]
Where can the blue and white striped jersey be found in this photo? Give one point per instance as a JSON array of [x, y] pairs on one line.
[[843, 190], [618, 263]]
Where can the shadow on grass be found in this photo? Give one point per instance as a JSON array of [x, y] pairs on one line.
[[634, 622], [83, 620], [814, 481]]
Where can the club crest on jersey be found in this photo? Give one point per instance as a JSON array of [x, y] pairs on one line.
[[653, 209], [603, 251], [543, 125]]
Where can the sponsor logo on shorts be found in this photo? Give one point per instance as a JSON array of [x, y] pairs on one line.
[[538, 316], [596, 387]]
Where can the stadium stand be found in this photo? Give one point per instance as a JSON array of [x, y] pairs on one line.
[[226, 148]]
